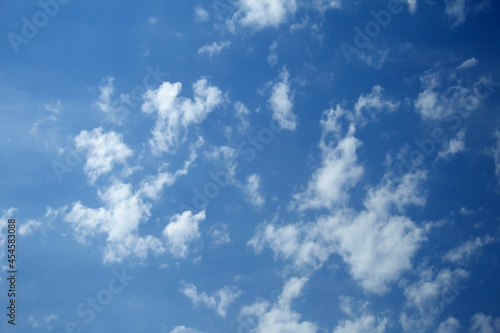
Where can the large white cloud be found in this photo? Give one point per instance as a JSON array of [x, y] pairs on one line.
[[102, 151], [481, 323], [176, 114]]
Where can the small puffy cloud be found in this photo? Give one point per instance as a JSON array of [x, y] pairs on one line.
[[220, 235], [102, 151], [412, 6], [456, 11], [27, 228], [450, 325], [361, 320], [279, 317], [182, 231], [259, 14], [201, 14], [252, 189], [466, 250], [184, 329], [6, 215], [481, 323], [281, 103], [242, 112], [218, 300], [176, 114], [115, 110], [214, 48], [468, 63], [453, 147]]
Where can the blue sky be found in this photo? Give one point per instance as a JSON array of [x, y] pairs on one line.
[[266, 166]]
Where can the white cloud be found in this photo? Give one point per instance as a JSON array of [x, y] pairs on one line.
[[465, 251], [374, 103], [119, 219], [435, 105], [339, 170], [468, 63], [412, 6], [260, 14], [272, 58], [495, 153], [214, 48], [201, 14], [252, 189], [450, 325], [453, 147], [323, 5], [218, 300], [114, 109], [103, 151], [430, 294], [6, 215], [176, 114], [184, 329], [220, 235], [281, 103], [480, 323], [279, 317], [28, 227], [182, 231], [361, 320], [242, 112], [153, 20], [456, 11]]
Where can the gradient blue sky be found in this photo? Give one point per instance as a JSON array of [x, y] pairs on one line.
[[267, 166]]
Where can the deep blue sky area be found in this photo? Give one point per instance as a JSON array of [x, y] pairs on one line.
[[256, 166]]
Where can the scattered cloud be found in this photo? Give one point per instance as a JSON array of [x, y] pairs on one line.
[[27, 228], [220, 235], [252, 188], [218, 300], [259, 14], [481, 323], [182, 231], [456, 11], [184, 329], [466, 250], [272, 58], [454, 146], [176, 114], [201, 14], [469, 63], [450, 325], [281, 103], [214, 48], [495, 153]]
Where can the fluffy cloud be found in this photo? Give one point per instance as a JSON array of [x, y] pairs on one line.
[[114, 109], [412, 6], [428, 296], [182, 231], [220, 235], [242, 112], [279, 317], [252, 189], [281, 103], [454, 146], [373, 103], [361, 320], [450, 325], [339, 170], [219, 300], [480, 323], [201, 14], [176, 114], [468, 63], [102, 151], [323, 5], [434, 104], [260, 14], [214, 48]]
